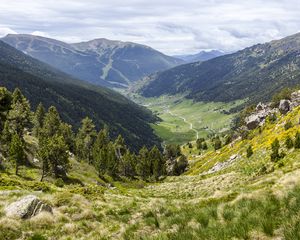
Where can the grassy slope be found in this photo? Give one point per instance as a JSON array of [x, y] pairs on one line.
[[205, 117], [238, 202]]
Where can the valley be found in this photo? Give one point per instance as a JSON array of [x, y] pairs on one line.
[[183, 121], [111, 139]]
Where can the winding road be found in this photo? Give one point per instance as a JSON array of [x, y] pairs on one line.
[[184, 119]]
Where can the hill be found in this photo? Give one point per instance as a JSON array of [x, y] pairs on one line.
[[223, 195], [201, 56], [100, 61], [254, 73], [75, 99]]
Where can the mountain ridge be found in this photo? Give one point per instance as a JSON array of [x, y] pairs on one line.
[[100, 61], [75, 99], [256, 73]]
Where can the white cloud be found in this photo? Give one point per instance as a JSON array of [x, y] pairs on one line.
[[174, 27], [5, 30]]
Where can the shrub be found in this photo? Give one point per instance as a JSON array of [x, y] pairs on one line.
[[249, 151], [288, 125], [275, 156], [297, 140], [59, 183], [217, 143], [289, 142]]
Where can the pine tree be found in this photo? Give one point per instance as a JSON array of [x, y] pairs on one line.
[[65, 130], [143, 166], [127, 164], [158, 167], [120, 146], [54, 155], [181, 165], [6, 137], [113, 161], [249, 151], [16, 151], [51, 124], [19, 115], [5, 106], [85, 139], [38, 119]]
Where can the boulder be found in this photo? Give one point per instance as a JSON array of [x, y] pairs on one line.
[[252, 121], [26, 207], [284, 106]]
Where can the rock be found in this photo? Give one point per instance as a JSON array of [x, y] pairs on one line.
[[35, 160], [252, 121], [26, 207], [61, 171], [284, 106]]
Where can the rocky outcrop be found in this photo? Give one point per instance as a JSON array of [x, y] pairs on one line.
[[284, 106], [257, 118], [27, 207], [222, 165]]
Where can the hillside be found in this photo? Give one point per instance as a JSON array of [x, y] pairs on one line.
[[75, 99], [223, 195], [100, 61], [255, 73]]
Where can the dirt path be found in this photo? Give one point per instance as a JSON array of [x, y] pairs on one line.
[[184, 119]]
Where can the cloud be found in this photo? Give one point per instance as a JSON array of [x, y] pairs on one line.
[[174, 27], [5, 30]]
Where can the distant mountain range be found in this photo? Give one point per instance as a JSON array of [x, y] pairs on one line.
[[100, 61], [201, 56], [254, 73], [75, 99]]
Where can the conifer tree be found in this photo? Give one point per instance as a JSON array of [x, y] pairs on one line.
[[128, 164], [54, 155], [5, 105], [38, 119], [16, 151], [65, 130], [157, 163], [51, 124], [143, 167], [217, 143], [85, 139], [19, 115], [6, 137]]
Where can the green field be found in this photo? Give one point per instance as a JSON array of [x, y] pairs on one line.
[[205, 117]]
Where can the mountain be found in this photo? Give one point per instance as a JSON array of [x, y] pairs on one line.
[[100, 61], [255, 73], [201, 56], [75, 99]]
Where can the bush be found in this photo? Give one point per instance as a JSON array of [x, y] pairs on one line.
[[275, 156], [288, 125], [249, 151], [297, 140], [289, 142], [59, 183], [217, 143]]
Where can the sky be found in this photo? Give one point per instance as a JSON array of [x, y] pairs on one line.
[[171, 26]]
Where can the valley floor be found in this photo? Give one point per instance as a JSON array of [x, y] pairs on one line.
[[184, 121]]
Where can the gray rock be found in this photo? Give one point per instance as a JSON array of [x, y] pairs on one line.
[[26, 207], [252, 121], [284, 106]]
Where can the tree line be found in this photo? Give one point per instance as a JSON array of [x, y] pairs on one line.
[[57, 141]]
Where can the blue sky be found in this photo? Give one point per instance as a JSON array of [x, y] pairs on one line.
[[171, 26]]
